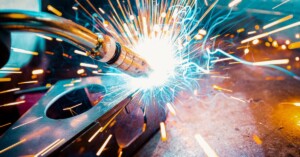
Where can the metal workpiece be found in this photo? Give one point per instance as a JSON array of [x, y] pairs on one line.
[[99, 46], [70, 119]]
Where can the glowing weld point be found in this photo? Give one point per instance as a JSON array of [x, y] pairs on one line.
[[104, 145], [163, 131], [163, 67]]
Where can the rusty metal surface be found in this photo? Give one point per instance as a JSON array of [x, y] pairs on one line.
[[260, 126]]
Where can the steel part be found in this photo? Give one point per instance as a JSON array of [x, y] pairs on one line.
[[120, 114], [101, 47]]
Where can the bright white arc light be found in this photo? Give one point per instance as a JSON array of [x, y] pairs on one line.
[[160, 55]]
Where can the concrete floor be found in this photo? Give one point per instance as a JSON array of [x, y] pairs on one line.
[[260, 126]]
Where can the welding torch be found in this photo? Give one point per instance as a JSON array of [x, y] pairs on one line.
[[98, 46]]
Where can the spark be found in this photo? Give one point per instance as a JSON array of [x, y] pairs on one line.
[[69, 85], [76, 81], [246, 51], [278, 21], [212, 38], [271, 32], [10, 72], [75, 8], [235, 98], [9, 90], [5, 79], [234, 3], [31, 121], [251, 32], [101, 10], [202, 32], [4, 125], [171, 109], [52, 146], [80, 71], [205, 2], [47, 148], [54, 10], [95, 134], [120, 153], [280, 4], [24, 51], [223, 77], [294, 45], [255, 42], [220, 88], [13, 103], [240, 30], [70, 108], [58, 39], [205, 146], [45, 37], [272, 62], [163, 131], [103, 145], [28, 82], [257, 140], [97, 72], [49, 53], [89, 65], [12, 146], [80, 52], [37, 71], [297, 104], [10, 68]]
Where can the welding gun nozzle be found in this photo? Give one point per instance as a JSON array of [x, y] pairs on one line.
[[111, 52]]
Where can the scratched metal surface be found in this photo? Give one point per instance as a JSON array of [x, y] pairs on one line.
[[230, 126]]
